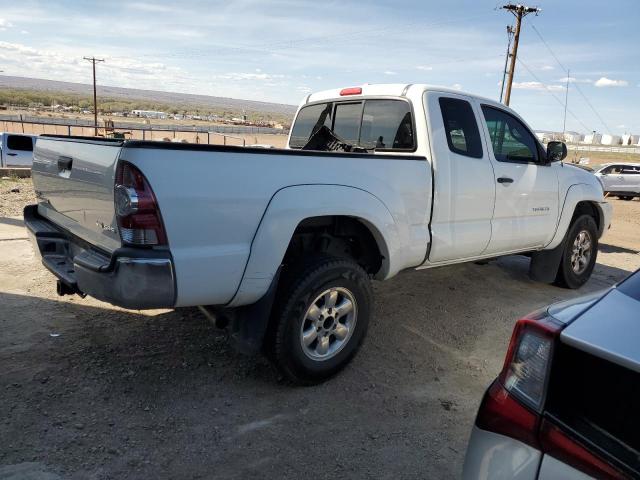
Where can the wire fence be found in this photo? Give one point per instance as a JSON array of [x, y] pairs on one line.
[[210, 134], [603, 148]]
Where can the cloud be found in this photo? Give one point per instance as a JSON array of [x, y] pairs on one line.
[[4, 24], [248, 76], [389, 72], [547, 67], [426, 68], [575, 80], [149, 7], [536, 86], [608, 82]]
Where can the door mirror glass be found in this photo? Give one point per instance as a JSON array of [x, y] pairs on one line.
[[556, 151]]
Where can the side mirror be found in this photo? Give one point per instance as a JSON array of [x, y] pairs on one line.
[[556, 151]]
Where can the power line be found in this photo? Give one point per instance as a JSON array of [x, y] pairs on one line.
[[548, 47], [546, 87], [568, 79], [592, 107]]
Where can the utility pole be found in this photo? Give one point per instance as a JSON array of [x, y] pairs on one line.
[[566, 101], [93, 60], [506, 59], [519, 11]]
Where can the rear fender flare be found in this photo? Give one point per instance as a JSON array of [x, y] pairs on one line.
[[290, 206]]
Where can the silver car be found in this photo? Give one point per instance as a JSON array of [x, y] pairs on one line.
[[567, 402], [620, 179]]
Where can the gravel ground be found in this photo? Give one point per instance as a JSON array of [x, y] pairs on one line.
[[93, 391], [14, 195]]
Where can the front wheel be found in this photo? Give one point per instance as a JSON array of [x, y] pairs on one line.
[[580, 252], [321, 318]]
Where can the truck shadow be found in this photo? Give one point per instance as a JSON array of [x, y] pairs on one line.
[[129, 350], [606, 248], [15, 222], [82, 380]]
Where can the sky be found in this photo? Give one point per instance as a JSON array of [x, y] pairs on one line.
[[279, 51]]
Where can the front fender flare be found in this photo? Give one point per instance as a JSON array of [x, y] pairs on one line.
[[581, 192]]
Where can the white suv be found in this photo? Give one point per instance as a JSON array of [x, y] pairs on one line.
[[620, 179]]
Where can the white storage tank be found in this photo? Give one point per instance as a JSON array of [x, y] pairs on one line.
[[629, 139], [593, 138], [610, 139], [573, 137]]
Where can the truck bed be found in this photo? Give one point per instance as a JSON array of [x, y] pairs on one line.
[[213, 199]]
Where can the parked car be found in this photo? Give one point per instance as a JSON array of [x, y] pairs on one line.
[[16, 150], [565, 405], [282, 244], [620, 179]]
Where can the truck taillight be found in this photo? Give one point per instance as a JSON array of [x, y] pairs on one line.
[[514, 404], [137, 211], [351, 91]]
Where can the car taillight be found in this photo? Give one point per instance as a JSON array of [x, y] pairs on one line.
[[137, 211], [514, 403], [528, 360]]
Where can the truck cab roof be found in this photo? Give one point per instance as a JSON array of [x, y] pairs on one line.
[[386, 89]]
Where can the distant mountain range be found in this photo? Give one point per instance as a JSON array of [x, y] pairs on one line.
[[203, 101]]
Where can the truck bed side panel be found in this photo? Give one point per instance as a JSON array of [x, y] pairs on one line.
[[212, 202]]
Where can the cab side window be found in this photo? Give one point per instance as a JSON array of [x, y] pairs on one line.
[[460, 127], [20, 142], [309, 121], [510, 139]]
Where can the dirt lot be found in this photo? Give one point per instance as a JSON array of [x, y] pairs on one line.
[[92, 391]]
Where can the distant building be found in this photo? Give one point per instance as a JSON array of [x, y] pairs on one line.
[[593, 138], [610, 139], [148, 114], [573, 137], [629, 139], [546, 136]]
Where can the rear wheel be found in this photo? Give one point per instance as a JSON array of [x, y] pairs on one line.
[[625, 197], [580, 252], [321, 318]]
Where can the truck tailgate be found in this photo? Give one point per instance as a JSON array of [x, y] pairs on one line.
[[74, 182]]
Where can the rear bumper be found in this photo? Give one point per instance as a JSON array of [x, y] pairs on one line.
[[491, 456], [129, 277]]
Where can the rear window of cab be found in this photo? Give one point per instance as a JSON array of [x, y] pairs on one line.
[[376, 124]]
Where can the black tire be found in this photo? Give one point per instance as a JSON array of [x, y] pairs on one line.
[[567, 277], [300, 287], [625, 197]]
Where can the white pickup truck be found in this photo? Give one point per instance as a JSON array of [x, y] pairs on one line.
[[16, 150], [281, 244]]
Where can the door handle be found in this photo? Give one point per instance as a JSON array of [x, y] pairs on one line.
[[505, 180], [12, 154], [65, 163]]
